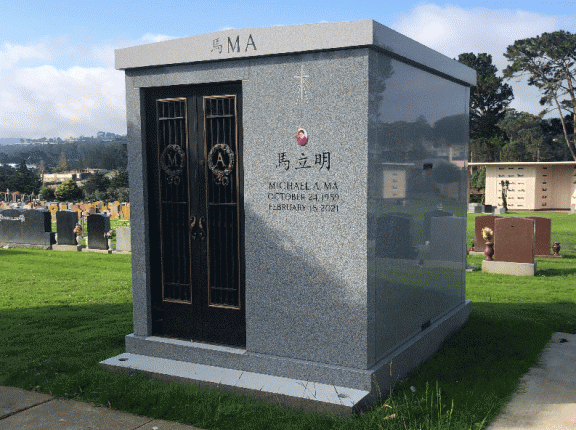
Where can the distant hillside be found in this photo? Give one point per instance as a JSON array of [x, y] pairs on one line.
[[9, 140], [90, 152]]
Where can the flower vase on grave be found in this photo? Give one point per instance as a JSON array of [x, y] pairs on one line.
[[79, 240], [109, 243], [556, 249], [489, 251]]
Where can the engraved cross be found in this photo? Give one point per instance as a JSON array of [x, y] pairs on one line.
[[302, 76]]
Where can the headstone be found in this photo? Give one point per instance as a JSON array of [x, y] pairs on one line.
[[543, 227], [488, 209], [262, 228], [428, 217], [53, 208], [481, 222], [479, 209], [394, 236], [499, 211], [514, 240], [472, 207], [123, 242], [126, 211], [26, 227], [65, 223], [444, 246], [97, 225], [114, 210]]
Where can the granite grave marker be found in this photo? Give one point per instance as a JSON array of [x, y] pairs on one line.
[[481, 222], [26, 227], [96, 226], [65, 223], [543, 231], [514, 240], [123, 241]]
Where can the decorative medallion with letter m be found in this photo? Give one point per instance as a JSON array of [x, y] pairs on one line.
[[193, 141]]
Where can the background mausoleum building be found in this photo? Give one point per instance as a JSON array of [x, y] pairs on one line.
[[531, 185], [287, 238]]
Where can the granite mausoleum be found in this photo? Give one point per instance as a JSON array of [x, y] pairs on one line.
[[261, 163]]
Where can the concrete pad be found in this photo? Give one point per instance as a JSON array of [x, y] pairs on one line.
[[166, 425], [509, 268], [14, 400], [275, 389], [546, 398], [66, 248], [61, 414]]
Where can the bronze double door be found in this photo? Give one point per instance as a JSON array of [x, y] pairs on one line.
[[196, 213]]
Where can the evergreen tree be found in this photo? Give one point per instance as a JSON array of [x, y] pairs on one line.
[[488, 101], [62, 164], [549, 61], [24, 180]]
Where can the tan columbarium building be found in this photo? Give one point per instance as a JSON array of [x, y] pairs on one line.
[[532, 185]]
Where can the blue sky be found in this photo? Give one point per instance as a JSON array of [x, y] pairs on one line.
[[57, 75]]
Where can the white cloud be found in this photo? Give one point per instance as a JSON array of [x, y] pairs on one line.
[[55, 87], [151, 38], [10, 55], [453, 30]]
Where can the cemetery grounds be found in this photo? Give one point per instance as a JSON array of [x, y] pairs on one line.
[[64, 312]]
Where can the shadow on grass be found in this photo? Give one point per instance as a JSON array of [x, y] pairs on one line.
[[39, 344], [13, 253], [555, 272], [479, 367], [57, 349]]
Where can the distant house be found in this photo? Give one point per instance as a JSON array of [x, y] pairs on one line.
[[77, 175], [531, 185]]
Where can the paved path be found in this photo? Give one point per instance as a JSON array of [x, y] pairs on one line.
[[26, 410], [546, 398]]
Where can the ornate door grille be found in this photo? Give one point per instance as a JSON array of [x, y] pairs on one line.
[[221, 147], [196, 211], [172, 136]]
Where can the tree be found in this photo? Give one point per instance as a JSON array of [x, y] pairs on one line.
[[119, 188], [478, 179], [488, 101], [96, 186], [47, 193], [24, 180], [120, 180], [68, 191], [62, 164], [526, 137], [554, 137], [549, 62]]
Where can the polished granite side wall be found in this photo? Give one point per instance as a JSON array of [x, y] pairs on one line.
[[417, 144]]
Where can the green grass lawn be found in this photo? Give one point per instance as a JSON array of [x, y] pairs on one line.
[[63, 312]]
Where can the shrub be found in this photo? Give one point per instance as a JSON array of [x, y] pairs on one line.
[[68, 191], [47, 193]]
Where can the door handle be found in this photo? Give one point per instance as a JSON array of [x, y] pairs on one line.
[[197, 230], [201, 228], [192, 225]]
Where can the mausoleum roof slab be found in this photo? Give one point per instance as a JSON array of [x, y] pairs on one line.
[[293, 39]]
